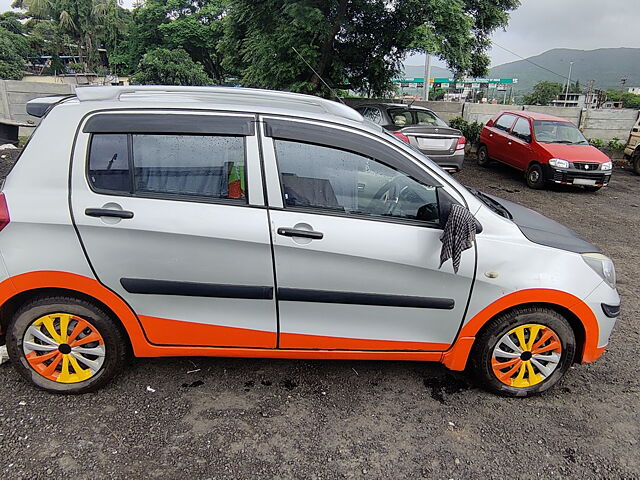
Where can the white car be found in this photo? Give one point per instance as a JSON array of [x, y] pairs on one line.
[[168, 221]]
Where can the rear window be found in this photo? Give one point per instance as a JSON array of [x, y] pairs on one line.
[[205, 166], [404, 117]]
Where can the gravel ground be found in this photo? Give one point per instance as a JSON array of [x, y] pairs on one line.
[[243, 418]]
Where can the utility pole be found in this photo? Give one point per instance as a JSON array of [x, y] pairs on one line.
[[427, 76], [568, 83]]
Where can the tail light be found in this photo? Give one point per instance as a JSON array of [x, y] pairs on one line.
[[401, 136], [4, 212], [462, 142]]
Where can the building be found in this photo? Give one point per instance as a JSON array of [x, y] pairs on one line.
[[634, 90], [579, 100]]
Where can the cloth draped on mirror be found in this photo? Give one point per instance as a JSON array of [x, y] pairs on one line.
[[458, 235]]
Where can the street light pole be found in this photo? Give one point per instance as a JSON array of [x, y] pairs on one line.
[[568, 83], [427, 75]]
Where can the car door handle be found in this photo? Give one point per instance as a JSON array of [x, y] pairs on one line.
[[294, 232], [108, 212]]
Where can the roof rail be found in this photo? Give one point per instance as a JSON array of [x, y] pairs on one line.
[[85, 94]]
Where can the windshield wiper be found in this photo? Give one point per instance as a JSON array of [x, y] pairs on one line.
[[491, 203]]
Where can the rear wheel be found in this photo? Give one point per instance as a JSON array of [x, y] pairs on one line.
[[535, 177], [65, 345], [483, 156], [523, 352]]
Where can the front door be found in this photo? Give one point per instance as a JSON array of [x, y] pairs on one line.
[[356, 235], [165, 205], [519, 144]]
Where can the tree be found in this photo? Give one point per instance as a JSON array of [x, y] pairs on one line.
[[196, 26], [14, 47], [356, 44], [169, 67], [543, 93], [80, 25], [628, 99]]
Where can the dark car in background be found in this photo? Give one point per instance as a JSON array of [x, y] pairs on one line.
[[421, 128]]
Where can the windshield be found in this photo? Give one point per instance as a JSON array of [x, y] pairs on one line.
[[404, 117], [548, 131]]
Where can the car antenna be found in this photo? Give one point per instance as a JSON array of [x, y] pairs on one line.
[[335, 94]]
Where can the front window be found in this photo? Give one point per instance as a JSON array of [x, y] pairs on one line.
[[549, 131], [328, 179], [404, 117]]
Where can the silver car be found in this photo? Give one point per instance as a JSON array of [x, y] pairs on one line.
[[167, 221], [421, 128]]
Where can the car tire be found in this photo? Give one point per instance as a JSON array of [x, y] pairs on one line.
[[84, 345], [483, 156], [636, 162], [535, 177], [503, 364]]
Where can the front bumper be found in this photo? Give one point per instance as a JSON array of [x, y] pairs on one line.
[[575, 176], [604, 295]]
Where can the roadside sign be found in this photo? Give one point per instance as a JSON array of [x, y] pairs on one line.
[[459, 85], [445, 85], [420, 80], [475, 85]]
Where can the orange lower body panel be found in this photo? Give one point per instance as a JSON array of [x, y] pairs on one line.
[[154, 337], [175, 332]]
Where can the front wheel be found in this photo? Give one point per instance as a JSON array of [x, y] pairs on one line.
[[535, 177], [65, 345], [523, 352]]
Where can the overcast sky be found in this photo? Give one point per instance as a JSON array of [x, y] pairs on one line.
[[540, 25]]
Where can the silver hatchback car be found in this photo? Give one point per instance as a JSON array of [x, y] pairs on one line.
[[169, 221]]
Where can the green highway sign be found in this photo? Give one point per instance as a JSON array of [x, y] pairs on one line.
[[454, 80]]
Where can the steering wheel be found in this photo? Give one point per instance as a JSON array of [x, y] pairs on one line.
[[387, 198]]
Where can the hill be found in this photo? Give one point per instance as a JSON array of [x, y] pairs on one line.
[[605, 65]]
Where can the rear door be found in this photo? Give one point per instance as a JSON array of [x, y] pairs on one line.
[[169, 207], [356, 238], [498, 137]]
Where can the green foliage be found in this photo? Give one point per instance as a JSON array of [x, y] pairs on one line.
[[615, 145], [596, 142], [169, 67], [629, 100], [471, 131], [543, 93], [14, 47], [359, 44], [78, 27]]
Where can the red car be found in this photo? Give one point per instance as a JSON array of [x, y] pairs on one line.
[[547, 148]]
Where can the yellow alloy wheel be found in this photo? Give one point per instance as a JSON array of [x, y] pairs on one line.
[[64, 348], [526, 355]]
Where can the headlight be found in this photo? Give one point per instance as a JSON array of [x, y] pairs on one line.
[[603, 266], [606, 166], [558, 162]]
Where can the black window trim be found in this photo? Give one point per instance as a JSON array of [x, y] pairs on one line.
[[335, 213], [162, 195], [171, 123]]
